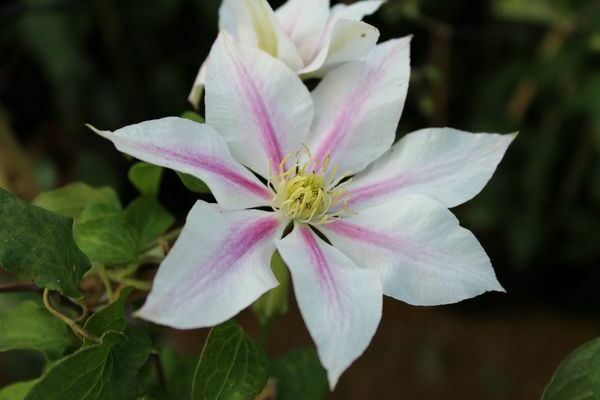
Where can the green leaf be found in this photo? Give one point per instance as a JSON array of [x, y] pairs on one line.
[[148, 218], [578, 376], [274, 302], [299, 375], [110, 318], [109, 239], [145, 177], [231, 366], [37, 244], [192, 183], [193, 116], [72, 199], [106, 371], [31, 326], [98, 210], [17, 391]]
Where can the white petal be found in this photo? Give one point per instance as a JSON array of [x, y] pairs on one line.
[[257, 103], [344, 37], [355, 11], [304, 21], [448, 165], [350, 40], [218, 266], [198, 87], [358, 107], [423, 255], [340, 302], [253, 22], [195, 149]]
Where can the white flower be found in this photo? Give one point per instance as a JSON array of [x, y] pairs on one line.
[[389, 228], [307, 35]]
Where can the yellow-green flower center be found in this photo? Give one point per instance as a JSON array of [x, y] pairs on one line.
[[306, 195]]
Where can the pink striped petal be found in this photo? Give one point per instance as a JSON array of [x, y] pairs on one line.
[[448, 165], [423, 255], [340, 302], [257, 103], [359, 105], [195, 149], [218, 266]]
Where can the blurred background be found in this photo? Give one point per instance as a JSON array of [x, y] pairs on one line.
[[485, 66]]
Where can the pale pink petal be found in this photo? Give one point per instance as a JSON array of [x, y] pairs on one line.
[[423, 255], [218, 266], [253, 23], [340, 302], [257, 103], [304, 21], [448, 165], [195, 149], [358, 107], [344, 38], [198, 87]]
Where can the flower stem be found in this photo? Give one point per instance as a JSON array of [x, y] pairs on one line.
[[107, 285], [79, 331]]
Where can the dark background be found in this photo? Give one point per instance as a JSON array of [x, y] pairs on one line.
[[487, 66]]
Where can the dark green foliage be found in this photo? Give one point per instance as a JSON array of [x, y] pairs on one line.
[[37, 244]]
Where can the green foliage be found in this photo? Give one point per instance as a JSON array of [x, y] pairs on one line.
[[193, 116], [192, 183], [38, 245], [106, 371], [578, 376], [299, 375], [108, 239], [148, 218], [110, 318], [72, 199], [275, 302], [16, 391], [146, 178], [31, 326], [231, 366]]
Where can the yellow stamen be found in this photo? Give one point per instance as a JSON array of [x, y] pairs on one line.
[[309, 195]]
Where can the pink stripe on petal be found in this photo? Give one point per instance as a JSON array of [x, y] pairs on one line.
[[318, 258], [351, 110], [260, 112], [212, 165], [229, 254], [382, 240]]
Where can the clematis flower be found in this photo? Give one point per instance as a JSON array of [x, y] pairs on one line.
[[276, 156], [307, 35]]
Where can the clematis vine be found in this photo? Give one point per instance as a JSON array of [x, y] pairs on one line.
[[365, 217], [307, 35]]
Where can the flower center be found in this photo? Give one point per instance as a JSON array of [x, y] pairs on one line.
[[309, 195]]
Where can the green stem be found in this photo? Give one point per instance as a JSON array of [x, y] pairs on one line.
[[79, 331], [107, 285], [168, 237]]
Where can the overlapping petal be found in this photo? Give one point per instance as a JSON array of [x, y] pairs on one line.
[[424, 256], [340, 302], [344, 37], [304, 21], [218, 266], [253, 22], [358, 107], [257, 103], [195, 149], [448, 165]]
